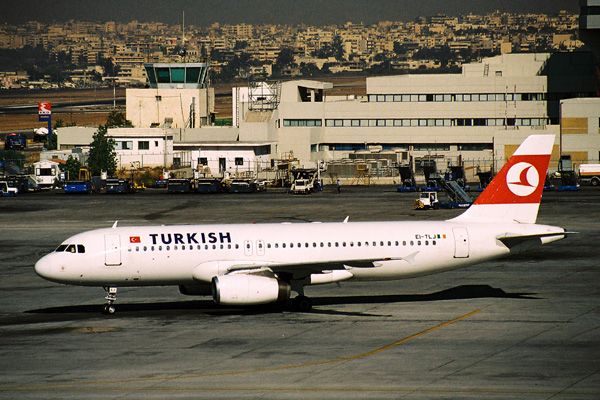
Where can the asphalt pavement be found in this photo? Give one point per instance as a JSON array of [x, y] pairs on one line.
[[524, 327]]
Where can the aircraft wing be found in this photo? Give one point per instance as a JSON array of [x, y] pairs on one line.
[[302, 269]]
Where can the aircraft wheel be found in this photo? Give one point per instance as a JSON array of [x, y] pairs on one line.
[[108, 309], [302, 304]]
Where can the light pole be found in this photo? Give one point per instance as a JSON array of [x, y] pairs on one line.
[[114, 89]]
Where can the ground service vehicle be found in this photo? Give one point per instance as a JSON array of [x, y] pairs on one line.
[[46, 174], [302, 186], [242, 186], [589, 174], [83, 183], [7, 191], [15, 141], [119, 185], [427, 200]]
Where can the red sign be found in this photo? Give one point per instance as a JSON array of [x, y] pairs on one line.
[[44, 108], [134, 239]]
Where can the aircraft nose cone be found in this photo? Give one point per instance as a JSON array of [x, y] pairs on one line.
[[44, 267]]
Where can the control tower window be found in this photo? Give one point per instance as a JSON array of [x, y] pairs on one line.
[[192, 75], [151, 75], [163, 75], [177, 75]]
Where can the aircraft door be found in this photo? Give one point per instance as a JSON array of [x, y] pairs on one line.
[[247, 247], [260, 247], [461, 242], [112, 245]]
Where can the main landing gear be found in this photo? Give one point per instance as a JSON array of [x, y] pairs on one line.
[[111, 297], [301, 303]]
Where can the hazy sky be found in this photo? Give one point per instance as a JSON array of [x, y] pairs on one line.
[[311, 12]]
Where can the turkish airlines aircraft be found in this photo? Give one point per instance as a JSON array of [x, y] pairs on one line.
[[246, 264]]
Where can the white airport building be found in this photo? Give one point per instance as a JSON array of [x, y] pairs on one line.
[[478, 116]]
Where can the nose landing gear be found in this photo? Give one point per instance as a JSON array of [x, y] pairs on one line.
[[111, 297]]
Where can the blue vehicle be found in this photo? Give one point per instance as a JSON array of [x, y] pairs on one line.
[[83, 184], [209, 185], [15, 141]]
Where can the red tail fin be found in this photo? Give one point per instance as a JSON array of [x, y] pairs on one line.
[[515, 193]]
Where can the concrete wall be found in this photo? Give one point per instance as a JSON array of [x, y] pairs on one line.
[[152, 106]]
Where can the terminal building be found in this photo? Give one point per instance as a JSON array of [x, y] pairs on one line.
[[477, 117], [483, 113]]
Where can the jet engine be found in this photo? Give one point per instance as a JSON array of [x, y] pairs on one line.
[[246, 289]]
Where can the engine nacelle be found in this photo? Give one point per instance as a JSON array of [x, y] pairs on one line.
[[246, 289], [196, 290]]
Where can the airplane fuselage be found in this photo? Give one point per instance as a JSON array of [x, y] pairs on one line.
[[193, 254]]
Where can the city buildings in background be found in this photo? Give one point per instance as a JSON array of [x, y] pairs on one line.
[[86, 54]]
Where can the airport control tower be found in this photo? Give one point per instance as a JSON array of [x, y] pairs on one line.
[[177, 75], [178, 96]]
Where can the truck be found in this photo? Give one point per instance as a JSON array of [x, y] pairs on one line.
[[427, 200], [180, 185], [119, 185], [82, 184], [16, 141], [46, 173], [589, 174], [302, 186], [7, 191], [242, 186]]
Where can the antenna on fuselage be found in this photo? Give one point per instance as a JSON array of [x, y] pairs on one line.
[[115, 224]]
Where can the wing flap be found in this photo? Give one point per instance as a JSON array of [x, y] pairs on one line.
[[303, 269]]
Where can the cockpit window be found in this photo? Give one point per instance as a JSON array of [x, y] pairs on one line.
[[71, 248]]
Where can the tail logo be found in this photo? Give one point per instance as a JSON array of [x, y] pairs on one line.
[[522, 179]]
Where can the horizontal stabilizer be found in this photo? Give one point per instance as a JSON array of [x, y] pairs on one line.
[[517, 243]]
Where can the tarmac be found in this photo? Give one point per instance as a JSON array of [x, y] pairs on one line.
[[523, 327]]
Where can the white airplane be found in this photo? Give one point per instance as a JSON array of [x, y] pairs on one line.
[[248, 264]]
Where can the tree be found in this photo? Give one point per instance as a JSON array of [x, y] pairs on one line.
[[285, 57], [109, 68], [117, 119], [240, 44], [333, 49], [337, 47], [309, 69], [72, 167], [400, 48], [103, 156]]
